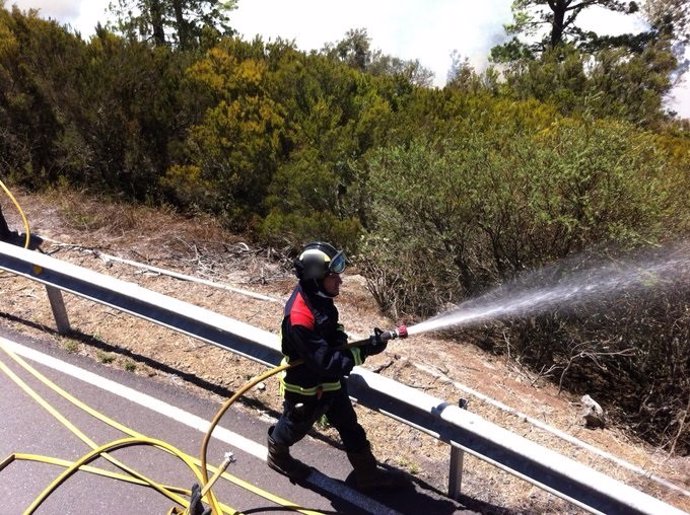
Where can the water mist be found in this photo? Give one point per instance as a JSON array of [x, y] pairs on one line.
[[569, 285]]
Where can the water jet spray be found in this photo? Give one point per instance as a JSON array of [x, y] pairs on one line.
[[555, 287]]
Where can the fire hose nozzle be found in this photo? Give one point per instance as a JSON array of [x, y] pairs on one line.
[[398, 332]]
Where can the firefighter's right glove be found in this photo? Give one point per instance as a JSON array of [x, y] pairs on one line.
[[376, 344]]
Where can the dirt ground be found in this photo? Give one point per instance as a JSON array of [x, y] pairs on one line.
[[85, 231]]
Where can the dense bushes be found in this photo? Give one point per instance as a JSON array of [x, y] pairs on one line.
[[486, 206], [108, 114]]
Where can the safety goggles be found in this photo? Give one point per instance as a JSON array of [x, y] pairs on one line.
[[338, 263]]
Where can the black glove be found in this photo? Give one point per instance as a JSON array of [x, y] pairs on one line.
[[376, 345], [340, 337]]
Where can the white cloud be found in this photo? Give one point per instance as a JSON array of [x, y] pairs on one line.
[[679, 99], [92, 12], [60, 10], [81, 15], [605, 21], [414, 29]]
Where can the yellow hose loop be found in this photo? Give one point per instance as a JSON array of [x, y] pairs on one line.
[[101, 472], [29, 391], [50, 460], [21, 213], [103, 418], [112, 446], [76, 431], [207, 438], [226, 405]]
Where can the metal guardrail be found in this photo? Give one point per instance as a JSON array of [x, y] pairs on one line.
[[457, 427]]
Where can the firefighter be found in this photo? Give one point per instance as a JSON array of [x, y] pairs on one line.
[[311, 332]]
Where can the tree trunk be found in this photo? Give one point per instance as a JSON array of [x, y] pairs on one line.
[[181, 23], [156, 12], [558, 7]]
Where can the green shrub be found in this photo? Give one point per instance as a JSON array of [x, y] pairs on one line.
[[456, 217]]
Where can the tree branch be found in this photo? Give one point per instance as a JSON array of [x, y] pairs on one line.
[[582, 5]]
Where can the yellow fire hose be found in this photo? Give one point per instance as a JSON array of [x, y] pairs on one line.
[[19, 456], [228, 477], [102, 450], [206, 485], [90, 443]]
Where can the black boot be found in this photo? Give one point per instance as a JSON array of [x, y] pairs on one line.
[[19, 239], [35, 241], [279, 459], [368, 477], [4, 229]]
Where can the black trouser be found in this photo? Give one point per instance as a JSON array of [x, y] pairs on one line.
[[4, 230], [300, 412]]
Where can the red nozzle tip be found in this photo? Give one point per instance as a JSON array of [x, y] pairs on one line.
[[402, 331]]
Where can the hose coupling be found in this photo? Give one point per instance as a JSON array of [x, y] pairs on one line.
[[398, 332]]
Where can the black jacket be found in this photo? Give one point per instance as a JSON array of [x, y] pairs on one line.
[[311, 332]]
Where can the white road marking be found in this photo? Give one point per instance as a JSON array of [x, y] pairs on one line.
[[147, 401]]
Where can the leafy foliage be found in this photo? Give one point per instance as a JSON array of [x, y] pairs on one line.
[[625, 76], [547, 24], [611, 83], [486, 206], [183, 21], [236, 145]]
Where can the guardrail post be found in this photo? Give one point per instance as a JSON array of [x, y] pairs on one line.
[[457, 457], [59, 311]]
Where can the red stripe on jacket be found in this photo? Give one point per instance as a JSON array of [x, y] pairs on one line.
[[300, 314]]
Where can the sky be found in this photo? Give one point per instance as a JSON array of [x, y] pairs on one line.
[[426, 30]]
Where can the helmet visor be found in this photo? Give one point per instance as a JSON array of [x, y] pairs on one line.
[[338, 263]]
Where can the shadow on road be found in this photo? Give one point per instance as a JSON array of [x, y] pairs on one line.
[[159, 366], [422, 499]]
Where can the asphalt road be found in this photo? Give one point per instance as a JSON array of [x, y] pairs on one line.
[[169, 412]]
